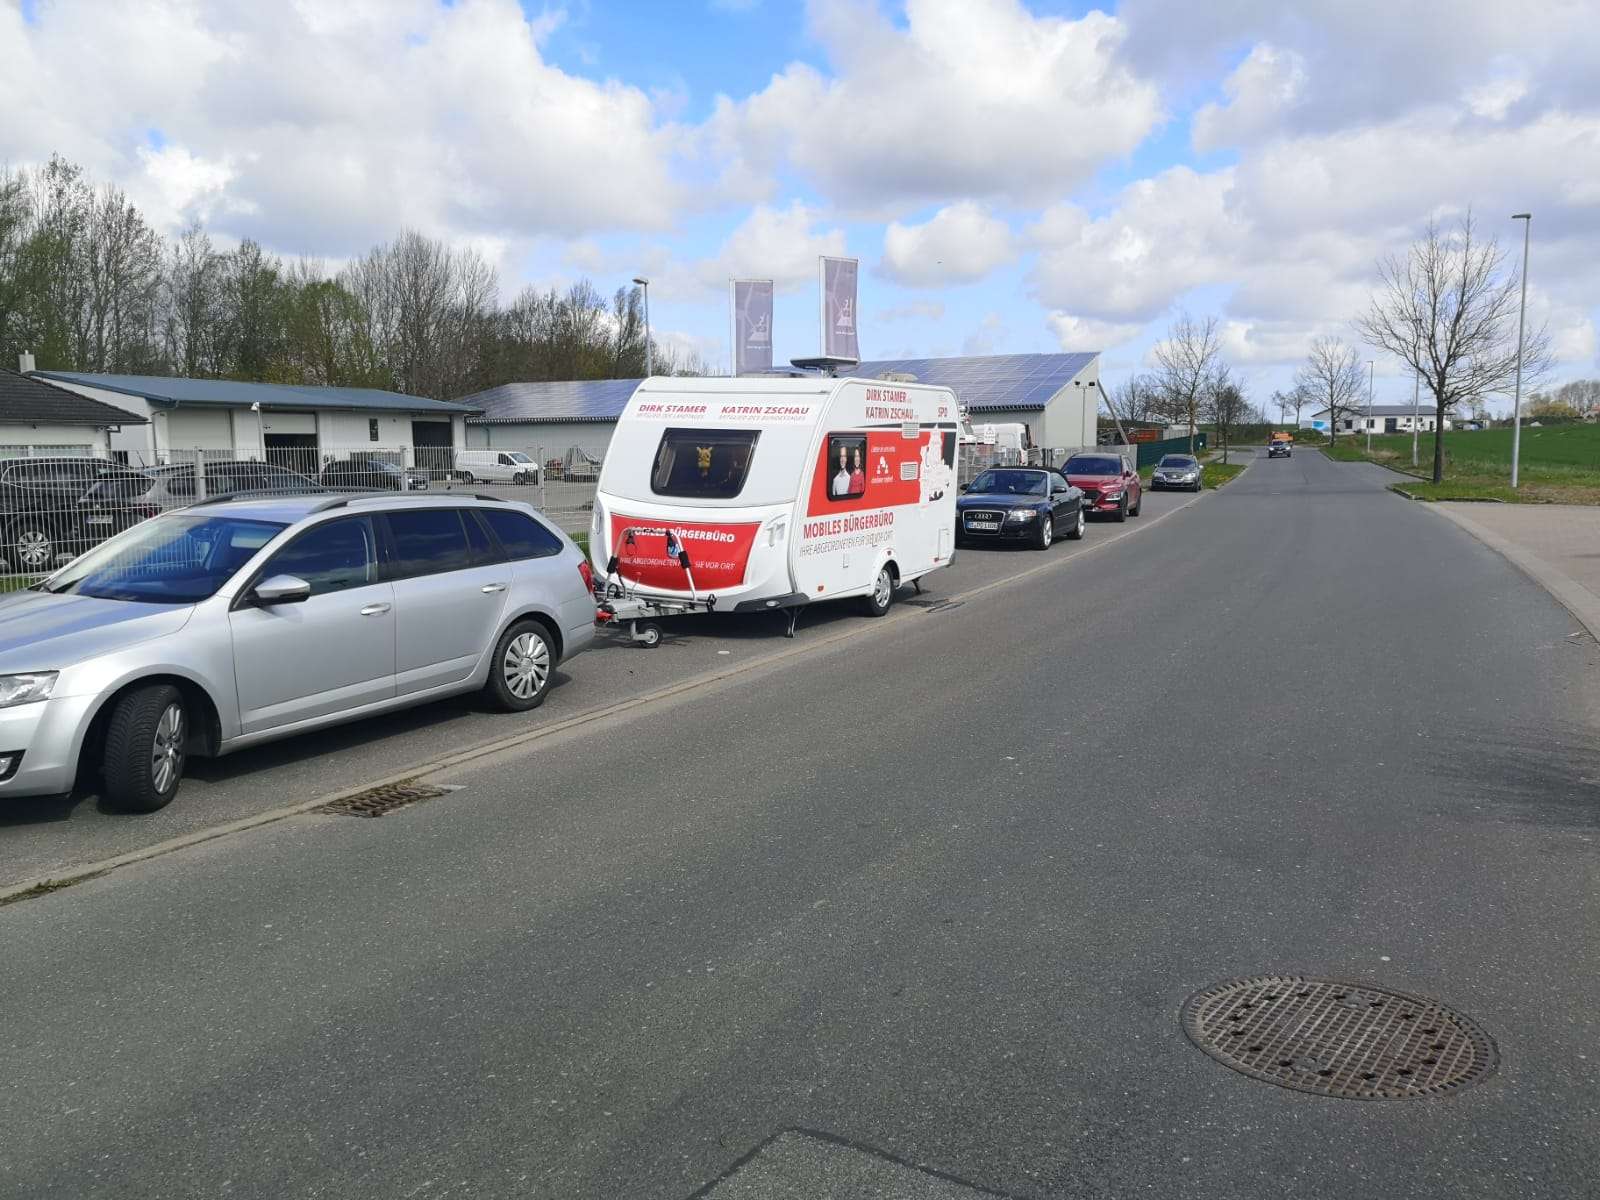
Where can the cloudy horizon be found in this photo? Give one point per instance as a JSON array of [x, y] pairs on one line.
[[1014, 177]]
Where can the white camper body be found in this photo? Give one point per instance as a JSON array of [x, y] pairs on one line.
[[780, 491]]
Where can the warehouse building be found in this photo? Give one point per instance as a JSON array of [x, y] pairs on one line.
[[1055, 395], [299, 427]]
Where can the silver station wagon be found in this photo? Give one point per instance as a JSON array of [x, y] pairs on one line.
[[234, 622]]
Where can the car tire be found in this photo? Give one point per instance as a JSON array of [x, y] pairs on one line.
[[1139, 507], [465, 477], [32, 543], [881, 598], [1079, 524], [1121, 514], [1044, 537], [145, 749], [523, 666], [520, 479]]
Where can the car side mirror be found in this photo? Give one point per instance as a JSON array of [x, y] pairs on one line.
[[281, 589], [966, 487]]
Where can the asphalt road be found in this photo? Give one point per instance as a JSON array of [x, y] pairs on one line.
[[42, 837], [928, 899]]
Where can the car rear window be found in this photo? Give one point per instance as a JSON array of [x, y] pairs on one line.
[[1093, 465], [520, 534], [703, 463]]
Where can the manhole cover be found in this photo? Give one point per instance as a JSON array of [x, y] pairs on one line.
[[374, 802], [1338, 1039]]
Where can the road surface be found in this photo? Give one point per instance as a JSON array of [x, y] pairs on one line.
[[926, 900]]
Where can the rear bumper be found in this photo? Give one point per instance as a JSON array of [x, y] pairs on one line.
[[48, 735]]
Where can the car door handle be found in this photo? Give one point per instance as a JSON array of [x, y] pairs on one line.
[[493, 587], [374, 610]]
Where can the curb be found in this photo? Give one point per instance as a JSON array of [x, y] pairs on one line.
[[68, 876], [1574, 597]]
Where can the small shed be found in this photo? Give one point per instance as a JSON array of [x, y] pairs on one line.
[[38, 419]]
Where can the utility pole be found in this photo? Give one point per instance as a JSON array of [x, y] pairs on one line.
[[1416, 397], [1369, 407], [1522, 314]]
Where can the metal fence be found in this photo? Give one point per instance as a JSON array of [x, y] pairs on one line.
[[55, 506]]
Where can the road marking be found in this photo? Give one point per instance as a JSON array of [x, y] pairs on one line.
[[43, 885]]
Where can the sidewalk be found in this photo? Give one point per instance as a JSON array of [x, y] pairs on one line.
[[1557, 544]]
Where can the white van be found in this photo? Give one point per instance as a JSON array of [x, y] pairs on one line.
[[778, 491], [495, 466]]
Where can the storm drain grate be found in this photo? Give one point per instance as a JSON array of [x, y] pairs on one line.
[[374, 802], [1338, 1039]]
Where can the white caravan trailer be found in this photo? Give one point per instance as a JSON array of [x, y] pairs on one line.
[[751, 493]]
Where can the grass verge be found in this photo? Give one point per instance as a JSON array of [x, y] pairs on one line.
[[1216, 474], [1558, 465]]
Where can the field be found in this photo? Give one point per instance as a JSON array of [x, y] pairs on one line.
[[1560, 464]]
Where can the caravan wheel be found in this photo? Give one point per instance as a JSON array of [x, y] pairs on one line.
[[882, 596]]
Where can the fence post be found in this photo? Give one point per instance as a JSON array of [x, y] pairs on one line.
[[199, 474]]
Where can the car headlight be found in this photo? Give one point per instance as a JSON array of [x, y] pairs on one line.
[[1116, 495], [25, 689], [1021, 514]]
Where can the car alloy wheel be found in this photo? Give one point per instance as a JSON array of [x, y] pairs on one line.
[[883, 589], [34, 548], [526, 665], [166, 748], [1047, 530]]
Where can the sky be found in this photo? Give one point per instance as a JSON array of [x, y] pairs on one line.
[[1014, 176]]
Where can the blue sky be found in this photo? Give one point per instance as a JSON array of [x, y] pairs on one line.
[[1014, 176]]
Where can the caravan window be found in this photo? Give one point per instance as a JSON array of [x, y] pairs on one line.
[[706, 464], [847, 466]]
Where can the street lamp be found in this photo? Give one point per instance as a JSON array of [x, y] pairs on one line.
[[644, 286], [1522, 313], [1369, 407]]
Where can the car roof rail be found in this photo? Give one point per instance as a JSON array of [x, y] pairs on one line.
[[252, 494]]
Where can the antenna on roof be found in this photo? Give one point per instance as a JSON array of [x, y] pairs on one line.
[[827, 364]]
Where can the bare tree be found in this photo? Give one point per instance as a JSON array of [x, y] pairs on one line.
[[1188, 359], [1224, 405], [1331, 378], [191, 288], [1137, 398], [1447, 310]]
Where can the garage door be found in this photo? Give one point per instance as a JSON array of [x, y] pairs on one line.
[[200, 429]]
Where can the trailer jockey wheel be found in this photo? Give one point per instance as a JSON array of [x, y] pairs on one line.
[[646, 634]]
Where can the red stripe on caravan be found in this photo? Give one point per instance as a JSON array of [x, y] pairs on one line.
[[718, 551]]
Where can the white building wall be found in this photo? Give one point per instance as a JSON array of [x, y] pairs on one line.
[[551, 437], [54, 439], [137, 440], [343, 431]]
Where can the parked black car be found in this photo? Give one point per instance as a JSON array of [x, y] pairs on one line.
[[372, 474], [39, 509], [1031, 504], [121, 497]]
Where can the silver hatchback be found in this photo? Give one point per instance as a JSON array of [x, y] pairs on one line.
[[216, 627]]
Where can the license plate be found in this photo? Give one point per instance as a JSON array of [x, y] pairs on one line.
[[97, 521], [989, 525]]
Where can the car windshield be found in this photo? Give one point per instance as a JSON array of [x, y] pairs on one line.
[[1177, 460], [1093, 465], [119, 485], [179, 559], [517, 456], [1013, 483]]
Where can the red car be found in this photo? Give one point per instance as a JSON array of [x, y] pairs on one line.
[[1110, 486]]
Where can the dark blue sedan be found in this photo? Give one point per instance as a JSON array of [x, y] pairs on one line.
[[1027, 504]]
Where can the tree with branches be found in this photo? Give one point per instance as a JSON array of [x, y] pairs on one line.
[[1449, 311], [1331, 378], [1225, 406], [1188, 359]]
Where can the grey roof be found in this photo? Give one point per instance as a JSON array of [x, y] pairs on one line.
[[986, 383], [574, 400], [25, 400], [992, 381], [232, 393]]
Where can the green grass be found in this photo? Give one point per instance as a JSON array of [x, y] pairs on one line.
[[582, 539], [1560, 464], [1216, 474]]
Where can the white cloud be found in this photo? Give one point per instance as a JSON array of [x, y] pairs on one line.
[[929, 310], [1075, 333], [1494, 97], [1261, 91], [959, 244], [778, 244], [988, 337], [971, 98], [337, 125]]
